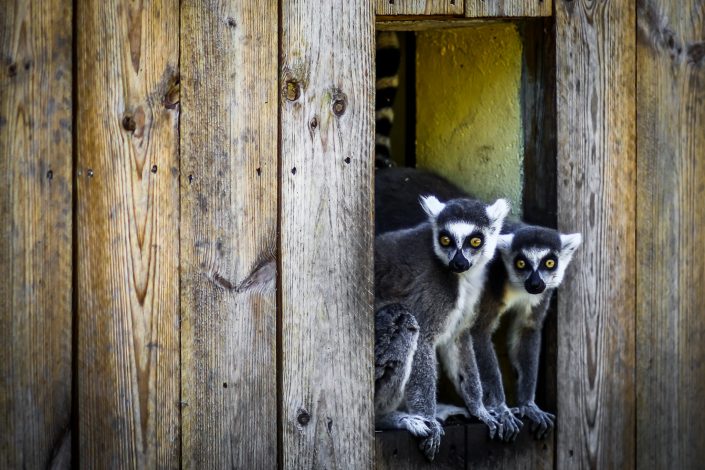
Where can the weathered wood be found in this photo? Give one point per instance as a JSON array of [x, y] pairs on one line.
[[670, 235], [508, 8], [419, 7], [229, 99], [464, 446], [400, 450], [327, 82], [127, 215], [411, 23], [595, 61], [35, 233]]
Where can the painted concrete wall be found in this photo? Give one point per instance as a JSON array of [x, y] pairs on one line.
[[468, 109]]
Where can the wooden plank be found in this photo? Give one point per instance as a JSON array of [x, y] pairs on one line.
[[508, 8], [326, 234], [400, 450], [595, 61], [670, 234], [419, 7], [127, 217], [35, 234], [228, 234], [411, 23]]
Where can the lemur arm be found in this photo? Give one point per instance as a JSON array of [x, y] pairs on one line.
[[524, 351], [461, 366], [421, 394]]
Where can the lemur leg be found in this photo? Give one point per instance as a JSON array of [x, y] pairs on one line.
[[491, 379], [524, 349], [421, 395], [396, 337], [459, 362]]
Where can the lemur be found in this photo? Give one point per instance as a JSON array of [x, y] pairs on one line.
[[387, 82], [528, 267], [432, 272]]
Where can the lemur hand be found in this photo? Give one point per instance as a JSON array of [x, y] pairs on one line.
[[510, 424], [495, 426], [541, 421], [430, 445]]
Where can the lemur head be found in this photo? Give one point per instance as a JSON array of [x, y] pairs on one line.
[[465, 231], [536, 257]]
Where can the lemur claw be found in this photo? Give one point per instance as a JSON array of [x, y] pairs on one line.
[[509, 424], [431, 444], [541, 421], [417, 425], [495, 426]]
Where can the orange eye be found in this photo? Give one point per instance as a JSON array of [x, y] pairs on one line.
[[445, 241], [521, 264], [476, 242], [550, 264]]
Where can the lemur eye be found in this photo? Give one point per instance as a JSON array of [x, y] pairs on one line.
[[444, 240], [476, 242], [550, 263], [520, 263]]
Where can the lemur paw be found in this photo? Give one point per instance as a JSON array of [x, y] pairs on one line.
[[541, 421], [417, 425], [431, 444], [495, 426], [510, 424]]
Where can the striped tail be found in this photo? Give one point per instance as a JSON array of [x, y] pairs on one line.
[[388, 56]]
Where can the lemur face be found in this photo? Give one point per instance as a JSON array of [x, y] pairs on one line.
[[465, 231], [536, 257]]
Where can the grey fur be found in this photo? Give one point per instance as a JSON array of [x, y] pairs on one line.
[[413, 275], [507, 290]]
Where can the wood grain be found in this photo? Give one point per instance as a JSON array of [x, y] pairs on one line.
[[396, 450], [419, 7], [127, 217], [228, 233], [595, 61], [670, 236], [326, 234], [508, 8], [35, 234]]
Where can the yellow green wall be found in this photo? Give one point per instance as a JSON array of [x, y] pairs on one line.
[[468, 110]]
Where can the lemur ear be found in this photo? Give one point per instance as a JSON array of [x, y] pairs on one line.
[[570, 243], [498, 211], [504, 242], [431, 205]]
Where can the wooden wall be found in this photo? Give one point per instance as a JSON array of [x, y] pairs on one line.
[[162, 160]]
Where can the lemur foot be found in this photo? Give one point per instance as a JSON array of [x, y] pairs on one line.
[[495, 426], [430, 445], [510, 424], [416, 425], [541, 421]]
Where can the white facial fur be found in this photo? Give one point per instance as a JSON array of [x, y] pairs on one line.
[[459, 230], [534, 257]]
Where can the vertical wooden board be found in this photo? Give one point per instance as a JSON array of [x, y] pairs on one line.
[[127, 217], [524, 453], [508, 8], [595, 61], [229, 144], [35, 234], [419, 7], [327, 82], [671, 234]]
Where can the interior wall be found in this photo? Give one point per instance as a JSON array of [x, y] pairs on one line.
[[469, 126]]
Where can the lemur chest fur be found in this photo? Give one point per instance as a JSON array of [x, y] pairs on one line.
[[520, 301], [463, 314]]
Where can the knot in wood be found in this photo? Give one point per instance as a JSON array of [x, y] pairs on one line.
[[293, 90], [128, 123], [313, 123], [303, 418], [339, 106]]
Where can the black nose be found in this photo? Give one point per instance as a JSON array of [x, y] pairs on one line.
[[534, 285], [459, 264]]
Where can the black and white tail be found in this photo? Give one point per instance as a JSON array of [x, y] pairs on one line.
[[388, 56]]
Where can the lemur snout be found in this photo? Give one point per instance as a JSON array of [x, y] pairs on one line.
[[459, 264], [534, 285]]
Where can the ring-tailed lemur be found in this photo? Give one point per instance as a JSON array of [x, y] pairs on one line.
[[526, 290], [433, 272], [387, 65]]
